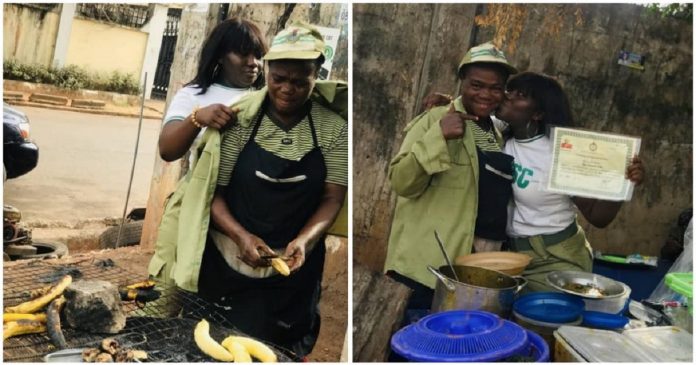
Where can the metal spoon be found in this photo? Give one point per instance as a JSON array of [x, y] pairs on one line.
[[442, 247]]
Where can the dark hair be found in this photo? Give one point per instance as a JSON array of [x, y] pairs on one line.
[[548, 95], [495, 66], [232, 35]]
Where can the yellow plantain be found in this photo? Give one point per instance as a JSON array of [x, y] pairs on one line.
[[209, 346], [10, 317], [35, 293], [237, 350], [145, 284], [280, 266], [21, 327], [255, 348], [40, 302]]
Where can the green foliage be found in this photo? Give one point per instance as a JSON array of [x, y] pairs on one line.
[[123, 83], [674, 10], [71, 77]]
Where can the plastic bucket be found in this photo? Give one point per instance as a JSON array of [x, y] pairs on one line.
[[543, 329]]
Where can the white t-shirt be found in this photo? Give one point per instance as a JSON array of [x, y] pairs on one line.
[[187, 99], [534, 210]]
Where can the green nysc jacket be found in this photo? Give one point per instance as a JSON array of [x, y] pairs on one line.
[[184, 226], [436, 181]]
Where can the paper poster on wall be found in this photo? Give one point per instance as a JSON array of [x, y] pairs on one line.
[[632, 60], [331, 36]]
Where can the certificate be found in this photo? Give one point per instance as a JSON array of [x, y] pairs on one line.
[[591, 164]]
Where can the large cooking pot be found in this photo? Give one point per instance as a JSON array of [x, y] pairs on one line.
[[477, 289]]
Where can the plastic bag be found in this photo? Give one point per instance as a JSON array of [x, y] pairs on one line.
[[683, 263]]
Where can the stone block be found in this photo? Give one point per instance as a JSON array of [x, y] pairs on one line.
[[94, 306]]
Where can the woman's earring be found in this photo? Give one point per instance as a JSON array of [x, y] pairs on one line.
[[216, 69]]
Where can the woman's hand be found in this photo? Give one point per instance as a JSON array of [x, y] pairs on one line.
[[216, 116], [251, 248], [436, 99], [635, 171], [295, 254]]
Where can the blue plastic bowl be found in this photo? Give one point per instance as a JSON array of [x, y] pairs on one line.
[[459, 336], [603, 320], [537, 348], [550, 307]]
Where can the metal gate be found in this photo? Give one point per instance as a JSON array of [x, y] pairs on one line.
[[166, 56]]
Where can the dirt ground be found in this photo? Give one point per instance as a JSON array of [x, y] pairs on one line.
[[334, 298]]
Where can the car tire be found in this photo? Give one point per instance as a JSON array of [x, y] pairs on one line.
[[129, 236], [46, 250]]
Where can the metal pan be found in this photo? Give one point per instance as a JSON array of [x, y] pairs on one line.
[[570, 282], [69, 355]]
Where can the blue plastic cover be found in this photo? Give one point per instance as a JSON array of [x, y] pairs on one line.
[[549, 307], [459, 336], [603, 320]]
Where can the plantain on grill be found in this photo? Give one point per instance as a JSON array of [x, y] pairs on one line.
[[21, 327], [53, 322], [39, 303], [208, 345], [9, 317], [238, 351], [255, 348]]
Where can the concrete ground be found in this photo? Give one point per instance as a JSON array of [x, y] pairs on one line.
[[80, 184]]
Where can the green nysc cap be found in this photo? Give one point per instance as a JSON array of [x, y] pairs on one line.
[[488, 53], [299, 41]]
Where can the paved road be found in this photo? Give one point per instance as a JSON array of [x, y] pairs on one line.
[[84, 165]]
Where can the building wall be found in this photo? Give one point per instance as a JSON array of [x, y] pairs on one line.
[[106, 47], [29, 34], [403, 52], [268, 17]]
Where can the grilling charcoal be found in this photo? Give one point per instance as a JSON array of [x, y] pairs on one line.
[[94, 306], [105, 264], [59, 272]]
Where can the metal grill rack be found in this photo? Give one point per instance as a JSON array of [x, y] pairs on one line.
[[163, 328]]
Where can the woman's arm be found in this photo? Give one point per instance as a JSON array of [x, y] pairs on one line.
[[598, 212], [178, 135], [317, 225], [249, 244]]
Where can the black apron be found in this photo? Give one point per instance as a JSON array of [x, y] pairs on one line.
[[281, 310], [495, 190]]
